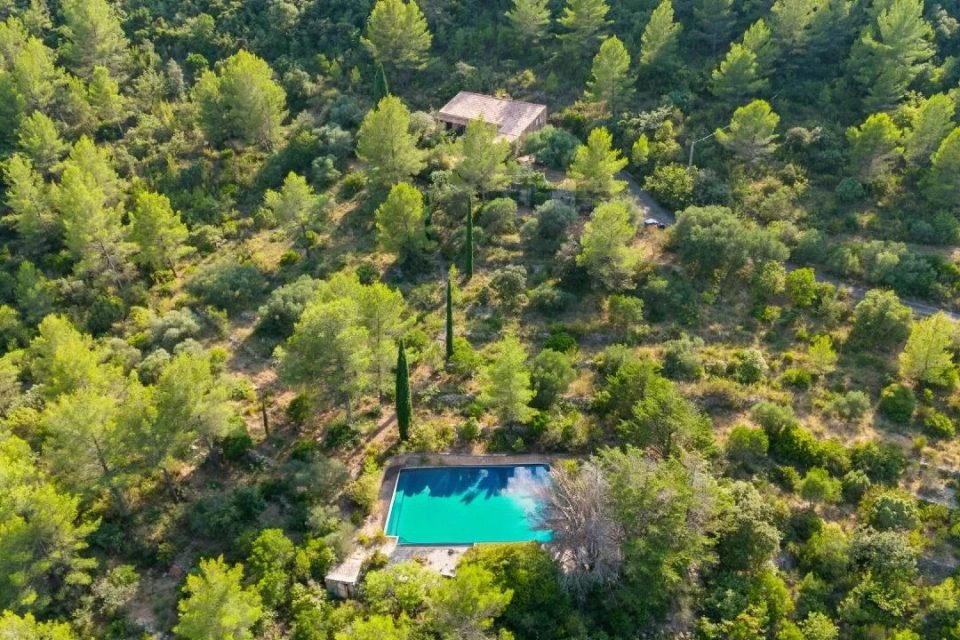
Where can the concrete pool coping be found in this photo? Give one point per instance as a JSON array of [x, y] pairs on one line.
[[343, 579], [400, 462], [396, 483]]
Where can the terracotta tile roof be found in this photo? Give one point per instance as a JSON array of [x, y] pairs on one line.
[[512, 117]]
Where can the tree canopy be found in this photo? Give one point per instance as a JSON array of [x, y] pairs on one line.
[[251, 269]]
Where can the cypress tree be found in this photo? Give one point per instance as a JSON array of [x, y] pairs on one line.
[[403, 404], [469, 266], [381, 89], [449, 319]]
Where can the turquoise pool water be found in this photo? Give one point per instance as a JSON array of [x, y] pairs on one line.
[[463, 505]]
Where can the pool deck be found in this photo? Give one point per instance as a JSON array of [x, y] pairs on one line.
[[443, 560], [342, 581]]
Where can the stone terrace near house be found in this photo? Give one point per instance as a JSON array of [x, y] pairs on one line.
[[513, 118]]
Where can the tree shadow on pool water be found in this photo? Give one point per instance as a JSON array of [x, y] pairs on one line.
[[470, 483]]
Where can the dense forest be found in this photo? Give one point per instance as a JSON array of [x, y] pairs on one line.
[[243, 265]]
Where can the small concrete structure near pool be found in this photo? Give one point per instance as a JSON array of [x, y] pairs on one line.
[[434, 507]]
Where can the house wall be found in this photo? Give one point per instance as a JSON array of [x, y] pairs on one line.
[[340, 590]]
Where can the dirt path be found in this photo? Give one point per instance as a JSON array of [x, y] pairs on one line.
[[651, 209]]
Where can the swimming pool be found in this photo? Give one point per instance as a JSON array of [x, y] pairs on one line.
[[464, 505]]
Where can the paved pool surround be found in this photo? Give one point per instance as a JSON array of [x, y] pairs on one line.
[[467, 504]]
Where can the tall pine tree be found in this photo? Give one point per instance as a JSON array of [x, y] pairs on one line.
[[449, 336], [595, 165], [790, 21], [398, 35], [584, 22], [751, 133], [943, 182], [930, 122], [892, 52], [468, 267], [713, 20], [610, 84], [381, 89], [759, 39], [403, 402], [738, 77], [386, 146], [660, 41], [530, 19]]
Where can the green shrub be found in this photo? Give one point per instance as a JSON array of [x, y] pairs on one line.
[[833, 456], [919, 443], [789, 442], [469, 430], [309, 481], [941, 229], [509, 286], [104, 311], [430, 437], [798, 377], [880, 321], [826, 552], [561, 341], [681, 359], [290, 257], [339, 435], [216, 518], [855, 485], [117, 588], [749, 366], [367, 273], [881, 461], [228, 285], [552, 147], [551, 227], [786, 477], [283, 308], [625, 314], [670, 298], [205, 238], [499, 216], [747, 446], [300, 409], [851, 405], [353, 183], [774, 418], [818, 486], [936, 424], [801, 285], [303, 449], [891, 510], [796, 445], [849, 190], [550, 299], [152, 366], [173, 327], [551, 373], [565, 432], [466, 360], [236, 444], [365, 490], [802, 524], [769, 281], [540, 607], [671, 185], [897, 403]]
